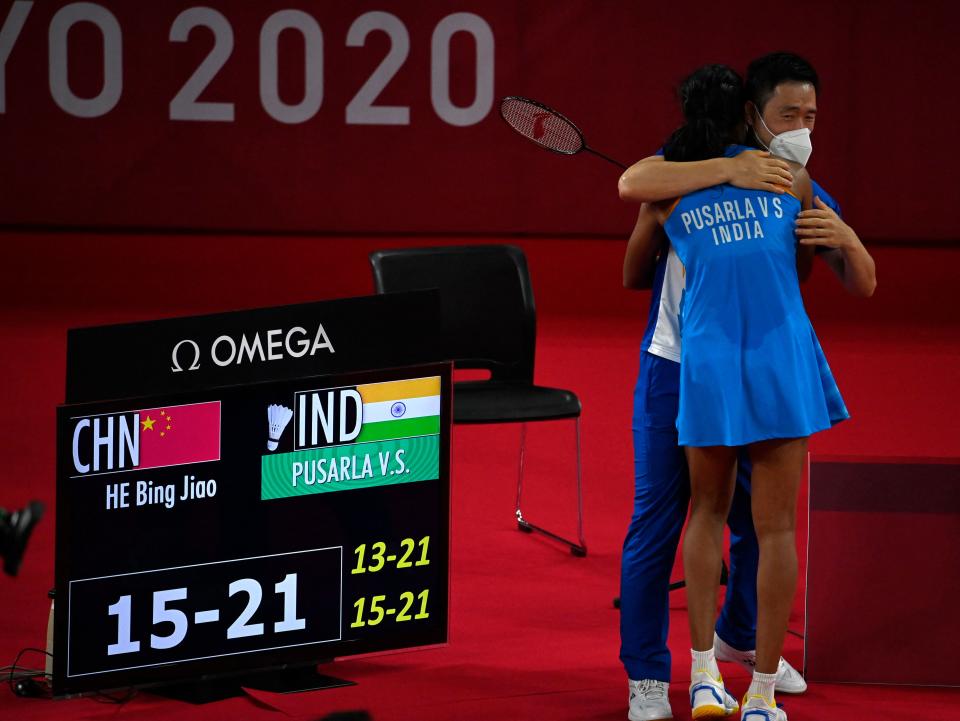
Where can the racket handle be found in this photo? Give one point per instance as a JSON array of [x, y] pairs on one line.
[[605, 157]]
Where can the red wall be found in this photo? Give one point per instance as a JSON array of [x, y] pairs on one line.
[[137, 277], [888, 105]]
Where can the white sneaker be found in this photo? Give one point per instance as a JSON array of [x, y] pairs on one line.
[[648, 700], [789, 679], [758, 708], [708, 697]]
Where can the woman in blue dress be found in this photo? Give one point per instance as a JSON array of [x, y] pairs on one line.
[[752, 374]]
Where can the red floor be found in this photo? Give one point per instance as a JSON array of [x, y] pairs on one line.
[[533, 633]]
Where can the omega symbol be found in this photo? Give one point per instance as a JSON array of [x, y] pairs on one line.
[[176, 367]]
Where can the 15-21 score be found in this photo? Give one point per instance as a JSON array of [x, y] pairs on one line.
[[180, 621], [184, 613]]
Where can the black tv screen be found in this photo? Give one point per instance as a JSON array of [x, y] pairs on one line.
[[266, 525]]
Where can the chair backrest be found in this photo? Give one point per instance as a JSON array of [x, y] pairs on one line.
[[489, 319]]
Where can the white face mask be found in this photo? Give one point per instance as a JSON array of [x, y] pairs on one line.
[[792, 145]]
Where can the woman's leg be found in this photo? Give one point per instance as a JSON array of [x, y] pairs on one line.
[[712, 477], [737, 625], [777, 470]]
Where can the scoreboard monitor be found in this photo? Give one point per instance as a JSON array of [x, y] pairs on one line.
[[222, 531]]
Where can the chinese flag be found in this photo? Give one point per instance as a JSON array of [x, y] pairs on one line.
[[176, 435]]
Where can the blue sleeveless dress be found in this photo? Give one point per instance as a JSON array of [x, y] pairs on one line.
[[751, 367]]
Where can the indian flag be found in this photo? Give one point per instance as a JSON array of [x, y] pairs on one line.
[[400, 409]]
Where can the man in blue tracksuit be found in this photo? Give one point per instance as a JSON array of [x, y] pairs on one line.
[[781, 88]]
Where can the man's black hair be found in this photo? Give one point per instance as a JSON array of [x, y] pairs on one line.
[[765, 73]]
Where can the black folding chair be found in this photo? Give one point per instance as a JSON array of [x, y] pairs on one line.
[[489, 322]]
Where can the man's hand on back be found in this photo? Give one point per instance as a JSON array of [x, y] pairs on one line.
[[822, 226]]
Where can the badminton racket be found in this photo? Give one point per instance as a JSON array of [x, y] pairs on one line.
[[547, 128]]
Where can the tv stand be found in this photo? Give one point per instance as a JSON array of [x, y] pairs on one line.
[[288, 680]]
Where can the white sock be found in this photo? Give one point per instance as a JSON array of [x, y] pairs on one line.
[[705, 661], [763, 685]]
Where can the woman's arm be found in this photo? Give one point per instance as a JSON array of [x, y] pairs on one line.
[[846, 255], [653, 179], [646, 243], [803, 189]]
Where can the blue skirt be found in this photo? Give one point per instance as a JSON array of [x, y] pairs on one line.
[[731, 395]]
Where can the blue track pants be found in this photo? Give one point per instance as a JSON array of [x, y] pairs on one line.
[[661, 498]]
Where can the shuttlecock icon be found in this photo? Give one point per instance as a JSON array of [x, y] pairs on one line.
[[277, 418]]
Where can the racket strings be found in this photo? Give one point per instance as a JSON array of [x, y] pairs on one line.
[[542, 126]]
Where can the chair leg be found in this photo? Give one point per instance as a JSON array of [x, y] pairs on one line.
[[577, 549], [582, 550], [523, 447]]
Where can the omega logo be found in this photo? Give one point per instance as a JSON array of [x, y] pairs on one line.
[[272, 345], [176, 367]]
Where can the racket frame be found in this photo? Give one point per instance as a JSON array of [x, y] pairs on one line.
[[564, 118]]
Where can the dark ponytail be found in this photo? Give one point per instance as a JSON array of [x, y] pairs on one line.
[[711, 99]]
